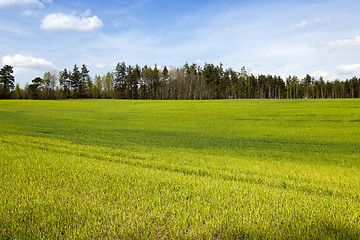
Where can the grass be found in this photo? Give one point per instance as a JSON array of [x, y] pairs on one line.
[[229, 169]]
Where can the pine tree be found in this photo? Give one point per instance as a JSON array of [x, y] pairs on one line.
[[75, 79], [65, 82], [36, 88], [120, 79], [85, 82], [6, 81]]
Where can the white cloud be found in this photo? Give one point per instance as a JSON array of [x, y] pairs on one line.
[[302, 24], [63, 22], [23, 64], [317, 20], [339, 43], [322, 19], [101, 66], [319, 73], [28, 13], [23, 3], [347, 69], [26, 7]]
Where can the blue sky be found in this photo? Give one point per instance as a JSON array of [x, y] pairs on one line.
[[267, 37]]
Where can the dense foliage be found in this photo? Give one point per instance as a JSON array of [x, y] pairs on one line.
[[189, 82], [6, 81], [226, 169]]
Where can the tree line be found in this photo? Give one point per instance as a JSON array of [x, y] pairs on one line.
[[190, 82]]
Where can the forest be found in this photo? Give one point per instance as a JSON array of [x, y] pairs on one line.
[[190, 82]]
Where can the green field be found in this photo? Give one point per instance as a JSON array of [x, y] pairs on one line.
[[229, 169]]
